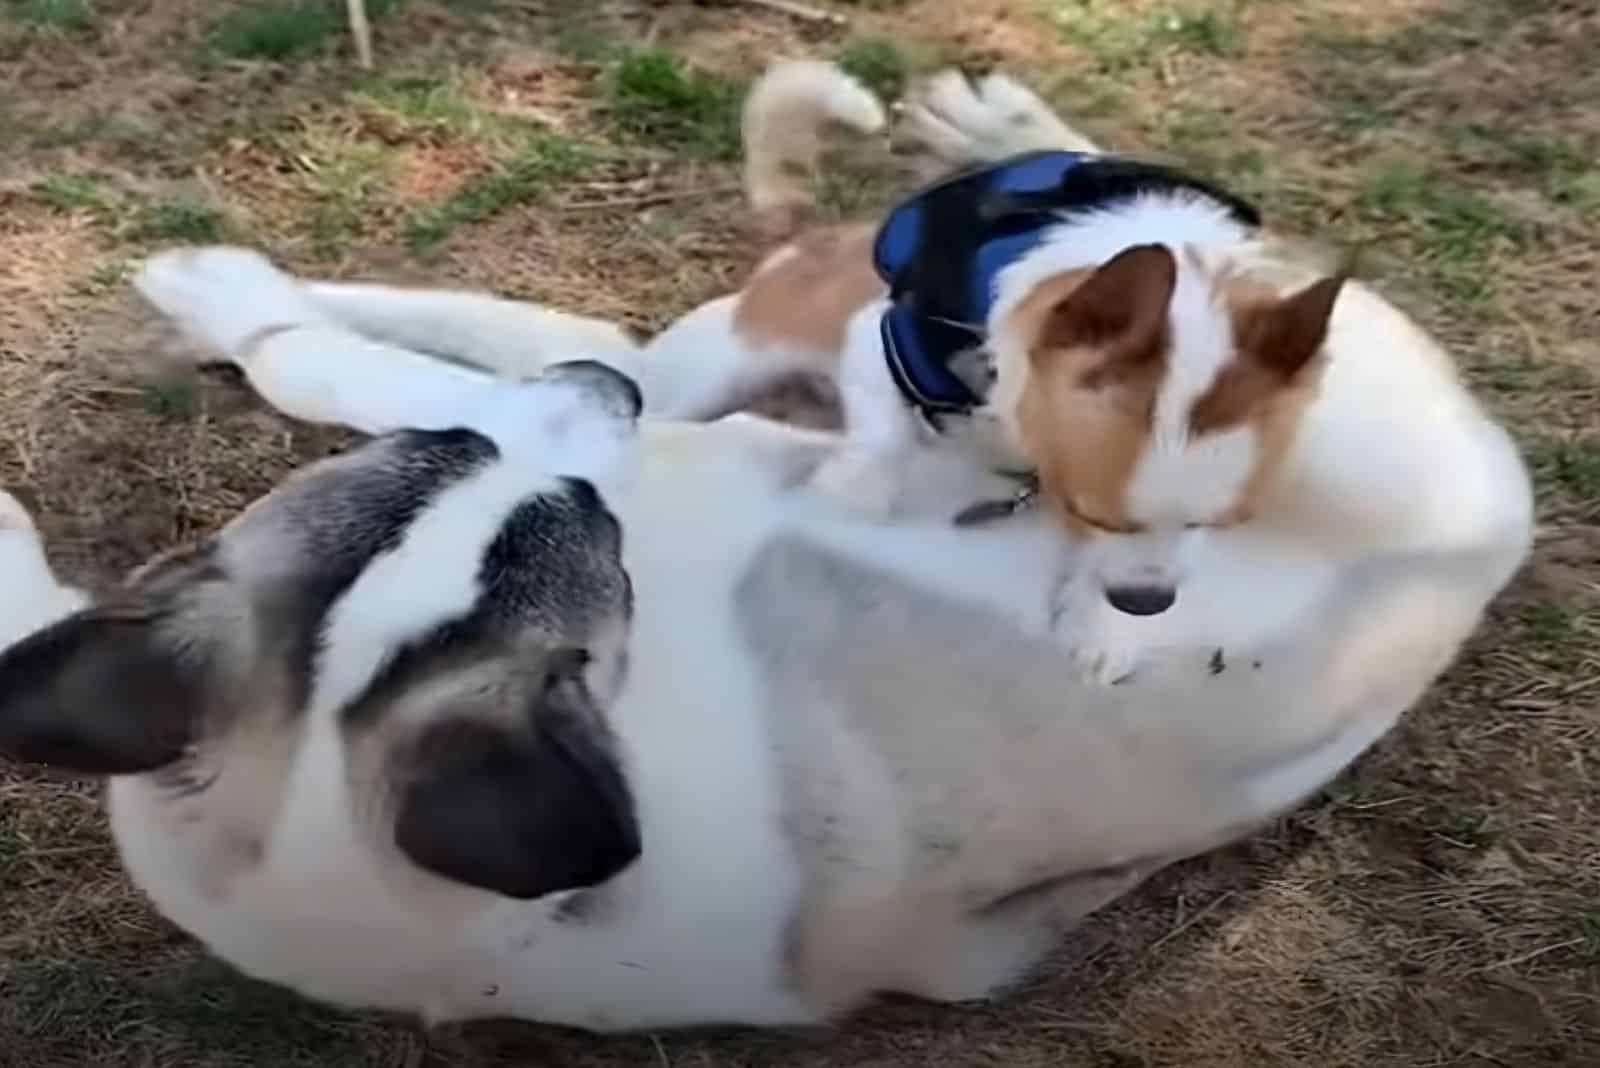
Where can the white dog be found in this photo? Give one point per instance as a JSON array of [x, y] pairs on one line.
[[533, 710]]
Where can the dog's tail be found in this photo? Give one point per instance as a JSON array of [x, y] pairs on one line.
[[785, 115]]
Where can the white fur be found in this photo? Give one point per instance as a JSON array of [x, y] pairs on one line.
[[695, 932], [784, 115]]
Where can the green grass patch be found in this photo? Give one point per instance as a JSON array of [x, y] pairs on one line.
[[1456, 231], [181, 219], [72, 193], [424, 103], [346, 182], [1118, 40], [281, 30], [62, 16], [527, 177], [1451, 217], [879, 63], [178, 401], [1569, 464], [656, 97]]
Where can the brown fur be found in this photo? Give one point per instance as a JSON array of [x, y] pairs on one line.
[[1273, 377], [1095, 364], [804, 300], [1097, 359]]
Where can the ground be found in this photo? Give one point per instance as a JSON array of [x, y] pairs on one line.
[[1438, 905]]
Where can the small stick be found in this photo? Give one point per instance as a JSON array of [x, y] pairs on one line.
[[803, 12], [361, 30], [653, 198]]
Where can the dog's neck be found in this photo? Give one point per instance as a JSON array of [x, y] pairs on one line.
[[943, 250]]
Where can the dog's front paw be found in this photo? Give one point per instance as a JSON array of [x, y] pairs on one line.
[[1102, 646], [865, 485], [1103, 659]]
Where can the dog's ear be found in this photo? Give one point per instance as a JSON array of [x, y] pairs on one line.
[[102, 692], [1283, 336], [521, 813], [1120, 310]]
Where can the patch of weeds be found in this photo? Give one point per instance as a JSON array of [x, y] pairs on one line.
[[1581, 192], [178, 401], [126, 133], [581, 39], [110, 275], [655, 96], [879, 63], [1587, 924], [1118, 40], [345, 183], [1547, 623], [1082, 96], [854, 191], [1456, 230], [177, 219], [422, 102], [1570, 464], [71, 193], [1530, 376], [285, 29], [62, 16], [527, 177]]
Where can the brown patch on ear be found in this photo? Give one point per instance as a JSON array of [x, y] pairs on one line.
[[1278, 339], [1274, 376], [1119, 310], [805, 300], [1097, 358]]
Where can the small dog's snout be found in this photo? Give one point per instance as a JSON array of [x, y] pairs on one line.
[[618, 392], [1141, 600]]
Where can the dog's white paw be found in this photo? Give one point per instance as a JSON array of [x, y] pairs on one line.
[[963, 122], [865, 485], [221, 296], [1102, 645]]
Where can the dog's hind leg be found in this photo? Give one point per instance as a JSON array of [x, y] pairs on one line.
[[507, 337], [300, 361], [34, 598], [964, 123]]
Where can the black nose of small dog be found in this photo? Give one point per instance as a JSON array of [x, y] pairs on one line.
[[616, 390], [1141, 600]]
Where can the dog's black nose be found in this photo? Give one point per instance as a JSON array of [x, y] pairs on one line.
[[616, 391], [1141, 600]]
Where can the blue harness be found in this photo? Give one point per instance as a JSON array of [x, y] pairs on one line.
[[941, 249]]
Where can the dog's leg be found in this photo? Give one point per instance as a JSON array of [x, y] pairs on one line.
[[865, 473], [259, 318], [700, 369], [508, 337], [33, 599], [963, 123]]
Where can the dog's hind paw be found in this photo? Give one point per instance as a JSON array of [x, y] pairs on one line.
[[222, 296], [963, 122]]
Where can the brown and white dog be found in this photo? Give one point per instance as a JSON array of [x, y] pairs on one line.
[[1133, 356]]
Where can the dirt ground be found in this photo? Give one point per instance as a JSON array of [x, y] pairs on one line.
[[1438, 905]]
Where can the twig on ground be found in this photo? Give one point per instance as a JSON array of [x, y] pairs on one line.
[[804, 12], [647, 199], [361, 30]]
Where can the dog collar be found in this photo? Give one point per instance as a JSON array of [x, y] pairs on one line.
[[941, 250]]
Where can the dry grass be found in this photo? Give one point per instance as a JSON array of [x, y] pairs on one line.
[[1439, 905]]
